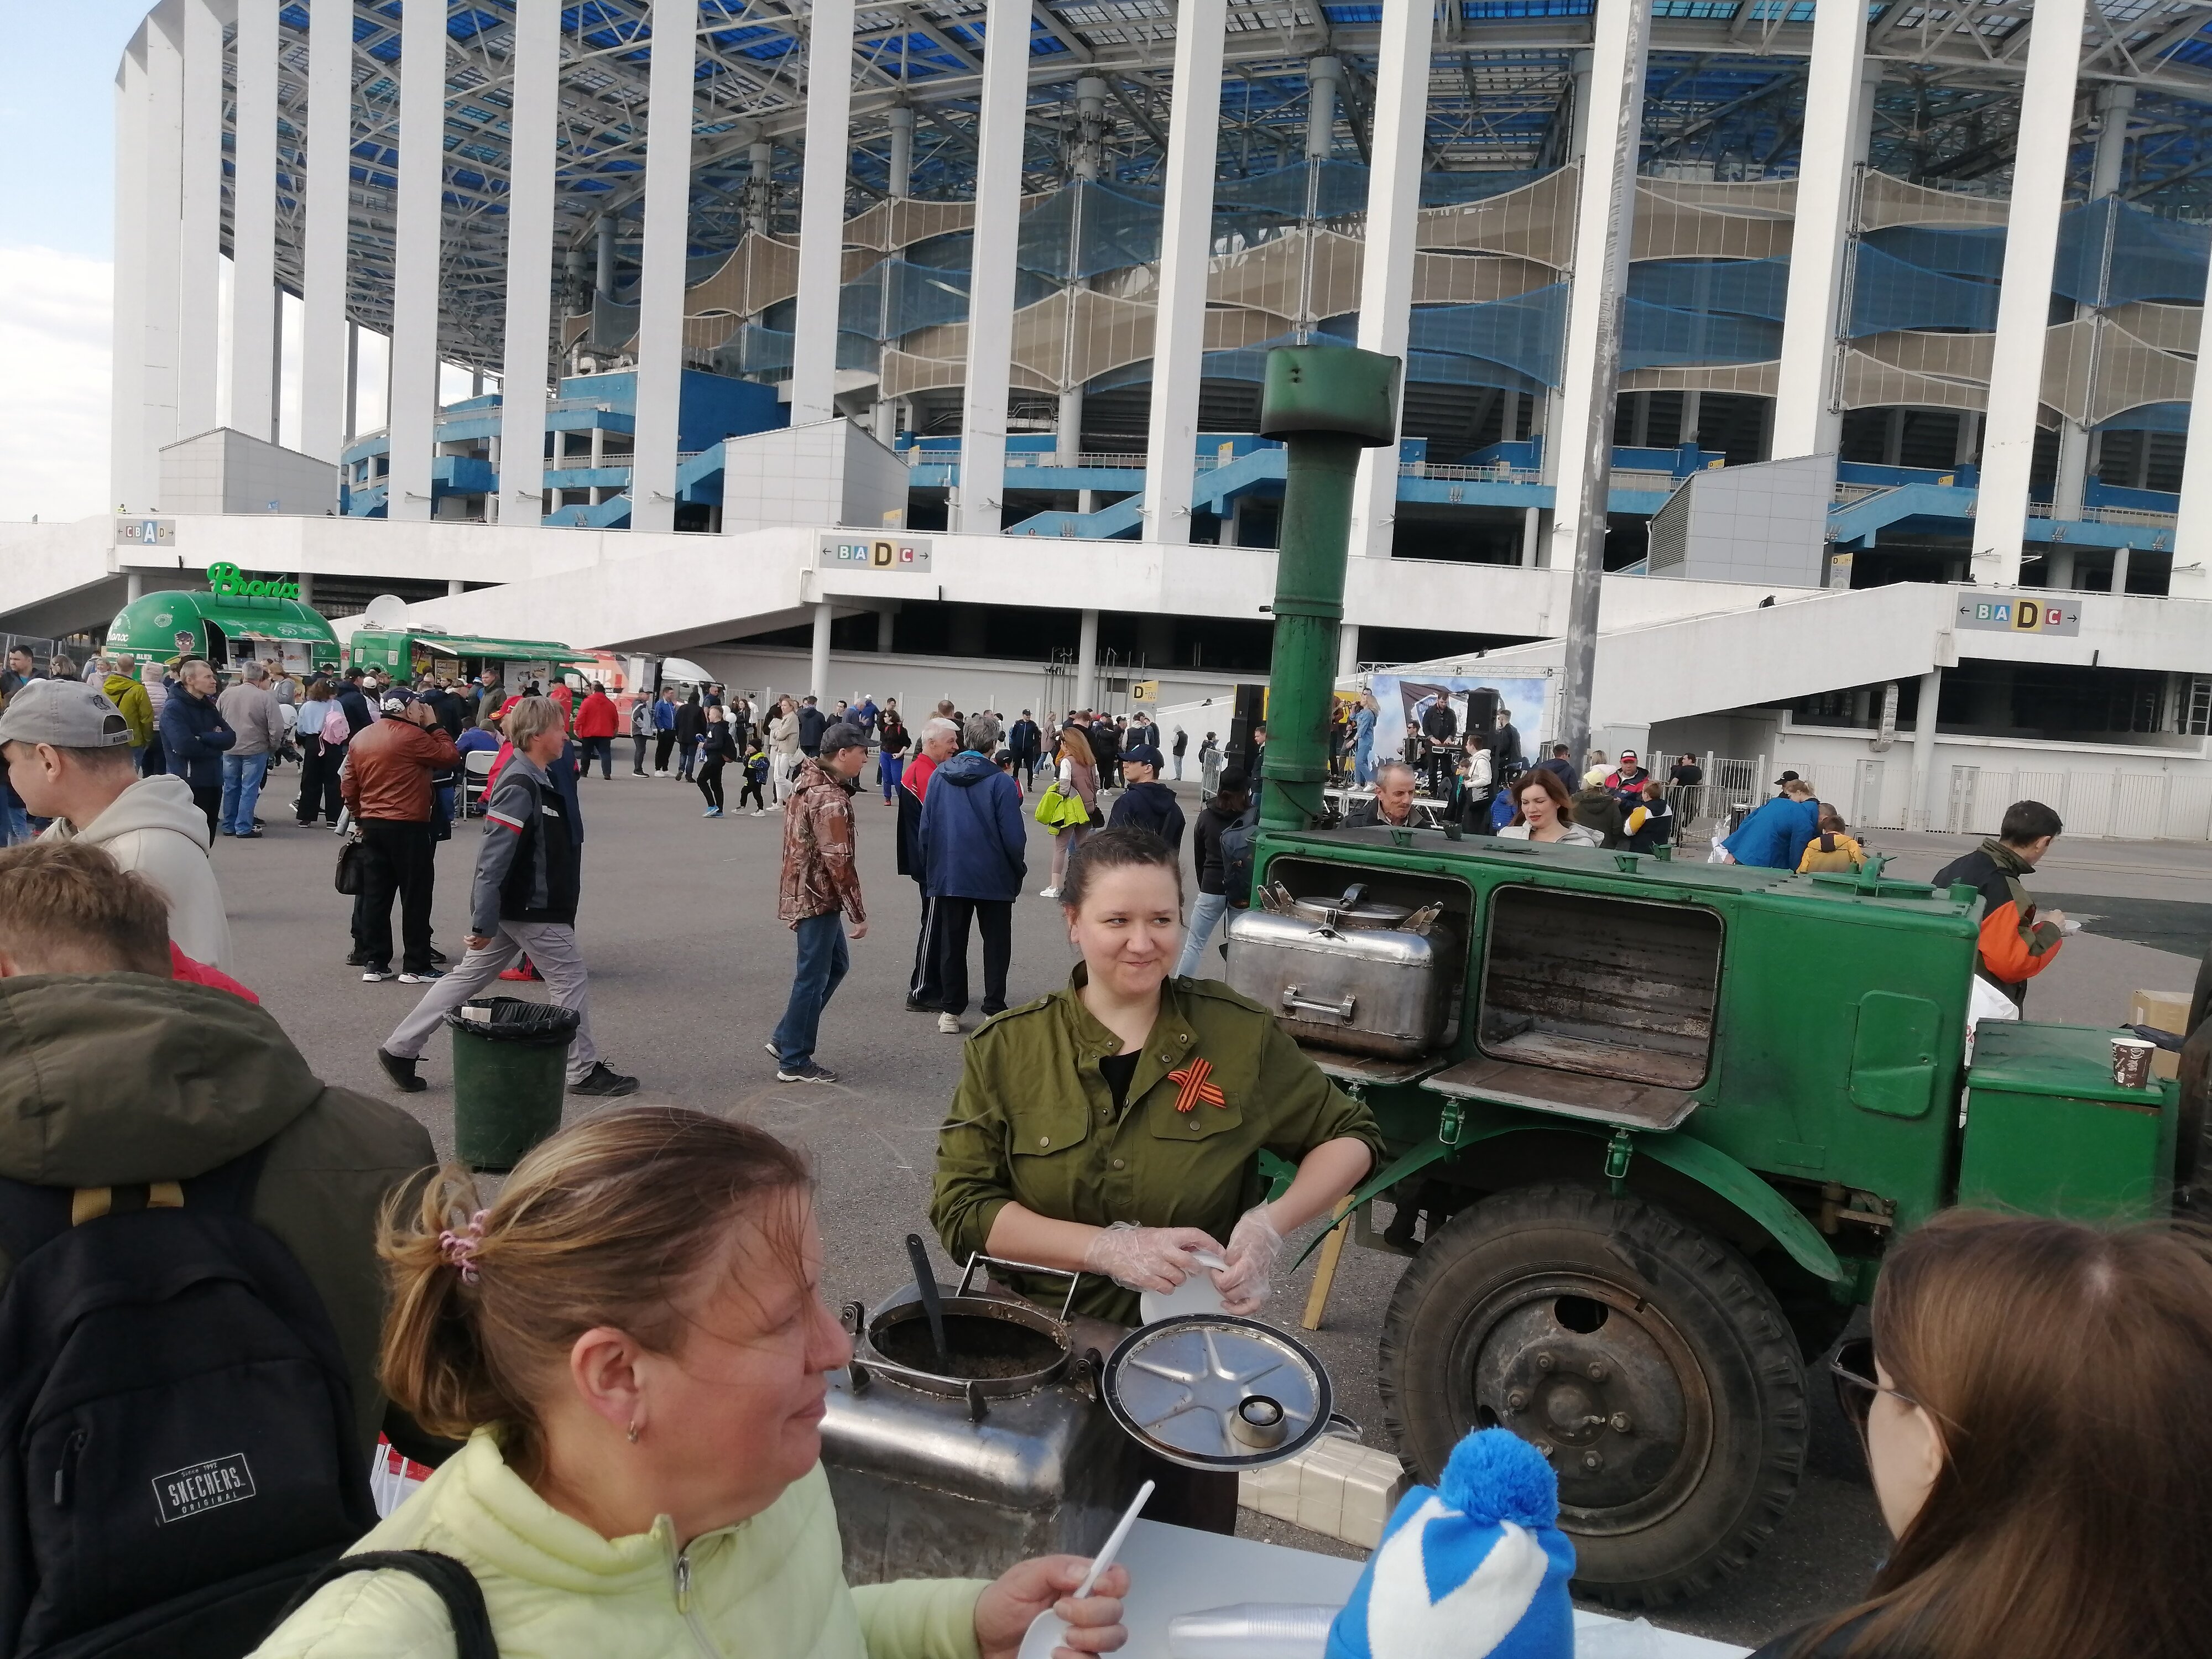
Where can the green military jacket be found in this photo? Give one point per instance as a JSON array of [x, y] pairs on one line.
[[1034, 1122]]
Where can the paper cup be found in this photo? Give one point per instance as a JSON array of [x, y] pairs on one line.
[[2131, 1061]]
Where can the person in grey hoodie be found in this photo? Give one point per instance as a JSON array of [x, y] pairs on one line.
[[248, 708], [68, 749]]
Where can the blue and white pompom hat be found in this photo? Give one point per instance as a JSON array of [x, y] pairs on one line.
[[1473, 1568]]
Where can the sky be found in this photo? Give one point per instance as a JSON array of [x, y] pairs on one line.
[[56, 114]]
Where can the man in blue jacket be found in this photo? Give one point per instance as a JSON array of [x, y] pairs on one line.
[[973, 847], [1777, 835], [194, 737]]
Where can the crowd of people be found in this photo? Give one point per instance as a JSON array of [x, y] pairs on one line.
[[617, 1366]]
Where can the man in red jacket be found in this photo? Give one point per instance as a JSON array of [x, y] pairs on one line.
[[387, 786], [597, 721]]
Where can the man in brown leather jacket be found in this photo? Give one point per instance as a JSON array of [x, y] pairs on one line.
[[387, 786]]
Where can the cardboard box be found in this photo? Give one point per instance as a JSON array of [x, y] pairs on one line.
[[2163, 1011]]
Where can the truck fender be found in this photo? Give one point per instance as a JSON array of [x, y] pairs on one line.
[[1714, 1169]]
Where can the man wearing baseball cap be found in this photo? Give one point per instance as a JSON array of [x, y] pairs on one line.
[[1147, 803], [67, 750], [821, 886]]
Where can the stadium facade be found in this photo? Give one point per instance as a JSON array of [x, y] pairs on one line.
[[1745, 297]]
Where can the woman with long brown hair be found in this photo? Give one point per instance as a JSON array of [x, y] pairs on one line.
[[1544, 812], [1076, 774], [2036, 1405], [631, 1338]]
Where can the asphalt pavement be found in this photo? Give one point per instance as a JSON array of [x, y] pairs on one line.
[[690, 971]]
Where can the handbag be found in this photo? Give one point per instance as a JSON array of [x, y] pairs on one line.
[[353, 857]]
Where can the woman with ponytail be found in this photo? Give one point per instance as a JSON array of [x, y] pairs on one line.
[[633, 1341]]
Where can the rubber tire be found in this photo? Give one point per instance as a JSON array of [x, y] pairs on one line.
[[1726, 1315]]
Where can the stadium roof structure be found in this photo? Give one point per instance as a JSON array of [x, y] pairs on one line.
[[1725, 100]]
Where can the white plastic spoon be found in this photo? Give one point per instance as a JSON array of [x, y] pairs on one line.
[[1049, 1629]]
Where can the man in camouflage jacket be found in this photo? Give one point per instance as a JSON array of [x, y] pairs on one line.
[[821, 886]]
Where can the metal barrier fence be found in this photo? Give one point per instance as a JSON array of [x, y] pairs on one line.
[[1885, 791]]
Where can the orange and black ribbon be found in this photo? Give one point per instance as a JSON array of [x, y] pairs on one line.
[[1196, 1088]]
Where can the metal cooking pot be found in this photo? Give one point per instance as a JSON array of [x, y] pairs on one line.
[[1352, 911]]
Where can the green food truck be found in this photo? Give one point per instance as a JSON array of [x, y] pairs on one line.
[[227, 628], [410, 652], [1651, 1126]]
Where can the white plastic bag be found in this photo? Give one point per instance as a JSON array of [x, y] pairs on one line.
[[1984, 1001]]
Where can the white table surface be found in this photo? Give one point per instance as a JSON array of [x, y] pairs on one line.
[[1174, 1570]]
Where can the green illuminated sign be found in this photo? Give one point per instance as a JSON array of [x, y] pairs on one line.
[[227, 581]]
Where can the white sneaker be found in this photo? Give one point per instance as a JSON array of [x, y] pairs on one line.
[[1048, 892], [949, 1023]]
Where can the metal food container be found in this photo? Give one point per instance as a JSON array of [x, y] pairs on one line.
[[1009, 1456], [1369, 990]]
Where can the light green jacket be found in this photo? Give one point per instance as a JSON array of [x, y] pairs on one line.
[[770, 1588]]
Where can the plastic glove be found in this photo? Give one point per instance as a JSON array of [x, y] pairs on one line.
[[1254, 1248], [1147, 1258]]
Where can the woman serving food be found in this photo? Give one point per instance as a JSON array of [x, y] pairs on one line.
[[1113, 1127]]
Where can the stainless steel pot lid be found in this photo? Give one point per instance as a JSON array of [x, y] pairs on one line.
[[1212, 1391]]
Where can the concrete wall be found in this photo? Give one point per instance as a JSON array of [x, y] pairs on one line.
[[825, 473], [228, 471], [1762, 523], [918, 682]]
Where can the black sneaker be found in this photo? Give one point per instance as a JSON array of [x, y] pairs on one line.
[[356, 960], [401, 1072], [436, 955], [805, 1072], [603, 1079], [916, 1005]]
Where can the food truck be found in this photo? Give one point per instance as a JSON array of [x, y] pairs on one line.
[[515, 663], [231, 623]]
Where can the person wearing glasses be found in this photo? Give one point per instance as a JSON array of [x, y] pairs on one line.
[[2035, 1404]]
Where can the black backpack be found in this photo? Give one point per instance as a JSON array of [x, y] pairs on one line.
[[177, 1443], [1236, 857]]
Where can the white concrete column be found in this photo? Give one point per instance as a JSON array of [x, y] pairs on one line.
[[1321, 77], [2115, 104], [661, 272], [900, 118], [817, 662], [1003, 102], [132, 471], [2038, 196], [1838, 103], [1532, 522], [1091, 94], [886, 621], [323, 415], [536, 93], [455, 588], [1604, 225], [821, 211], [2192, 531], [162, 160], [199, 259], [1347, 649], [604, 253], [1386, 283], [253, 222], [418, 228], [1921, 812], [1086, 661], [1186, 237]]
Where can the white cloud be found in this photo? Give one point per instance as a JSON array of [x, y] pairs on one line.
[[54, 324]]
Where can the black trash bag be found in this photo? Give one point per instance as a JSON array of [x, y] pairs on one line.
[[513, 1019]]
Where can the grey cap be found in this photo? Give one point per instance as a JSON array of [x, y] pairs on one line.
[[842, 735], [67, 714]]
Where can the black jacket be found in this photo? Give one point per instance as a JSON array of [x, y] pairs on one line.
[[812, 723], [1150, 807], [719, 742], [1023, 738], [690, 722], [1438, 723], [1206, 846], [1105, 743]]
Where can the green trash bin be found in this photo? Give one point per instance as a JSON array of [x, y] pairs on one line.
[[510, 1071]]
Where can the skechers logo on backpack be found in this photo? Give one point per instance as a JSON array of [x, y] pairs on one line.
[[202, 1488]]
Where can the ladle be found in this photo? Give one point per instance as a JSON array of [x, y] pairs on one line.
[[925, 1283]]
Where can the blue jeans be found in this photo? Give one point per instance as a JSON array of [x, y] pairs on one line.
[[241, 793], [1204, 915], [822, 960], [891, 768], [15, 826], [1363, 763]]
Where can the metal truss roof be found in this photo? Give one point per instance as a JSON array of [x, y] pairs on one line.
[[1726, 91]]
